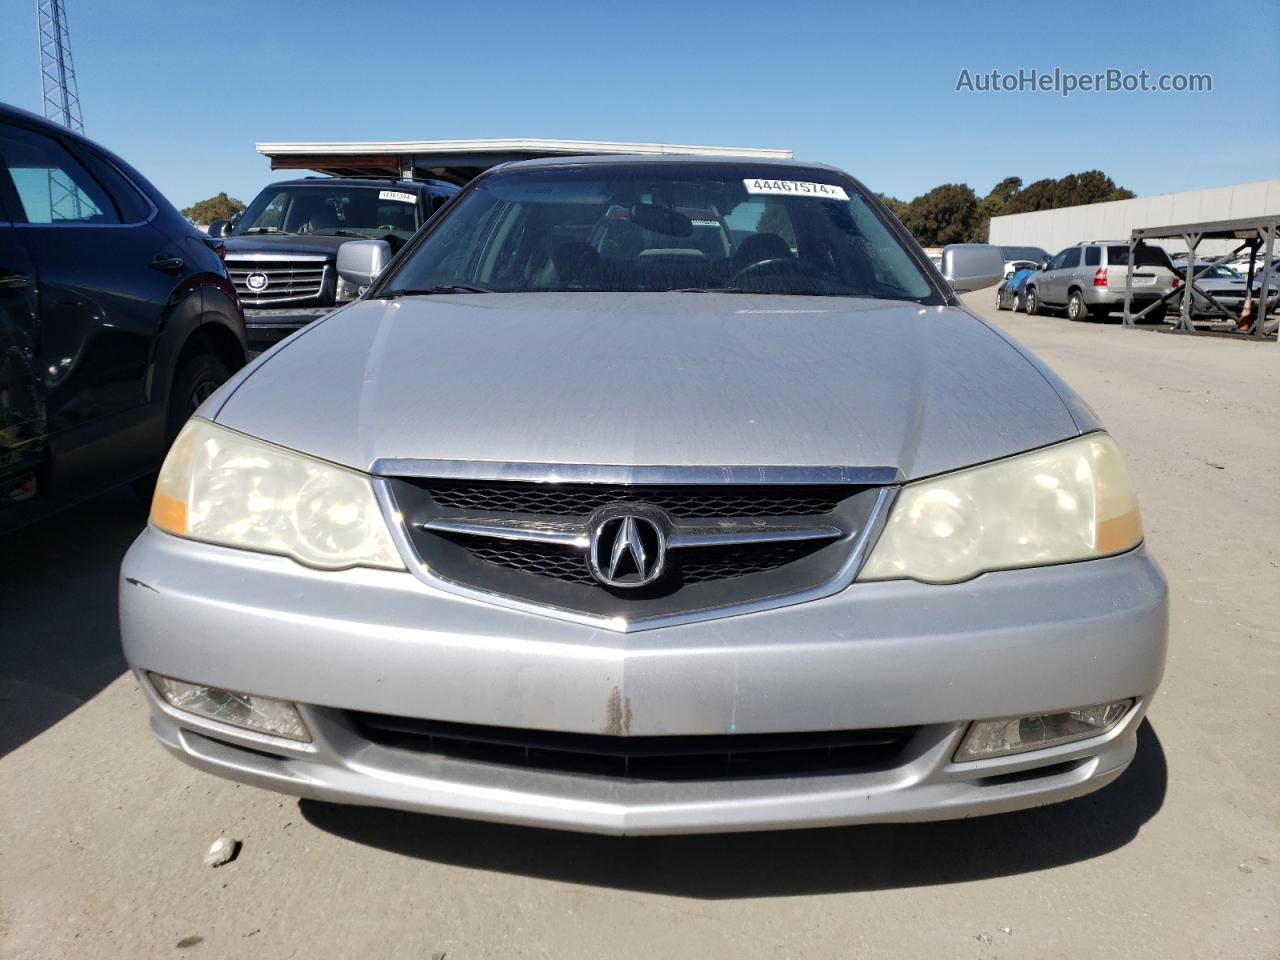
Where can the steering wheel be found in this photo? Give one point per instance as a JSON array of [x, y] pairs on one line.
[[389, 227], [773, 267]]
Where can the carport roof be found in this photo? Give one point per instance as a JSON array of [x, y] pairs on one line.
[[460, 160]]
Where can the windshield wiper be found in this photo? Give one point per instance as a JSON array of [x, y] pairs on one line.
[[428, 291], [705, 290], [265, 230]]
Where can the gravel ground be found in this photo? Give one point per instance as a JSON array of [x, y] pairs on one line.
[[102, 835]]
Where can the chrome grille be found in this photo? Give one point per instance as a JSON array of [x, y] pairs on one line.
[[719, 545], [287, 280]]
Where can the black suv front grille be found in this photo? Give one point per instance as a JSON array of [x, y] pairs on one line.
[[660, 758]]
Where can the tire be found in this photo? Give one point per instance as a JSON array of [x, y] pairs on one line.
[[1077, 309], [1020, 303], [1033, 302], [1000, 304], [198, 377]]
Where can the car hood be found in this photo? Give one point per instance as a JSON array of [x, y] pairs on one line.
[[650, 379], [282, 244]]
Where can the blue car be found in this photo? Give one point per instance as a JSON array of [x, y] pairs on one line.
[[1012, 293]]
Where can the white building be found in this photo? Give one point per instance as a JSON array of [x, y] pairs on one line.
[[1055, 229]]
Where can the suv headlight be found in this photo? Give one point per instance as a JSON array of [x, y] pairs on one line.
[[223, 487], [1071, 501]]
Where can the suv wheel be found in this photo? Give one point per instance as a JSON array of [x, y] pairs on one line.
[[1000, 304], [1033, 302], [198, 377], [1077, 309]]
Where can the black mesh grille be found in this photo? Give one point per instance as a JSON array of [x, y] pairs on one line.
[[664, 758], [690, 565], [702, 564], [580, 500], [544, 559]]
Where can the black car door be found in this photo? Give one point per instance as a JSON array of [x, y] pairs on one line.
[[106, 274], [22, 420]]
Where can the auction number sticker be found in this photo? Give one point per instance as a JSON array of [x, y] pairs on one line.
[[795, 188], [397, 196]]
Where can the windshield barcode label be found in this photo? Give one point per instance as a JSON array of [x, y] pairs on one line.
[[795, 188], [396, 195]]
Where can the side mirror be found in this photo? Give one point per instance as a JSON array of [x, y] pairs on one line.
[[1044, 265], [360, 261], [972, 266], [218, 228]]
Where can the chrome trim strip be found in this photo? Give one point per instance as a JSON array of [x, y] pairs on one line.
[[861, 547], [577, 534], [707, 536], [233, 256], [636, 475], [531, 531]]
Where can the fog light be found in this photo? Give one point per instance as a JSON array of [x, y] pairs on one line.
[[277, 717], [1006, 735]]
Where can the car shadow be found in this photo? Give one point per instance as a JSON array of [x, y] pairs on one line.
[[781, 863], [59, 629]]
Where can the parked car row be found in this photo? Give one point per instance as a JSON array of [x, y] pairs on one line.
[[1088, 280]]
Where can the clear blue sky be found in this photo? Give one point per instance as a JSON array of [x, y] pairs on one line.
[[183, 90]]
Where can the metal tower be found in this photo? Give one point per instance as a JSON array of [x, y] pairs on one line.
[[57, 73]]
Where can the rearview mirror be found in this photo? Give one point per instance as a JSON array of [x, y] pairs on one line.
[[218, 228], [663, 220], [360, 261], [972, 266]]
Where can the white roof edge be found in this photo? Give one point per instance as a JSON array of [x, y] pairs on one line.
[[514, 145]]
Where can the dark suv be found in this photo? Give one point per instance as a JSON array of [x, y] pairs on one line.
[[281, 251], [117, 319]]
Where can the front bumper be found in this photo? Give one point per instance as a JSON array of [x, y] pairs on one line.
[[265, 326], [875, 655]]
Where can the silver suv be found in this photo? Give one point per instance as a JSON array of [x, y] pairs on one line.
[[1089, 280]]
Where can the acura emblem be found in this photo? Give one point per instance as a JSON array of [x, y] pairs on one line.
[[627, 549], [257, 282]]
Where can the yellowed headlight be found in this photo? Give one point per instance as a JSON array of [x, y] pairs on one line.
[[223, 487], [1068, 502]]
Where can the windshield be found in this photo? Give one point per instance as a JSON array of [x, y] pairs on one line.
[[1034, 254], [332, 211], [1216, 273], [1145, 255], [663, 227]]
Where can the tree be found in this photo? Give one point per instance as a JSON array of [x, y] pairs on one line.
[[992, 205], [220, 207], [946, 214], [897, 207], [1092, 186]]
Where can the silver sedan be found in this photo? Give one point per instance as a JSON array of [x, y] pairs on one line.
[[598, 514]]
